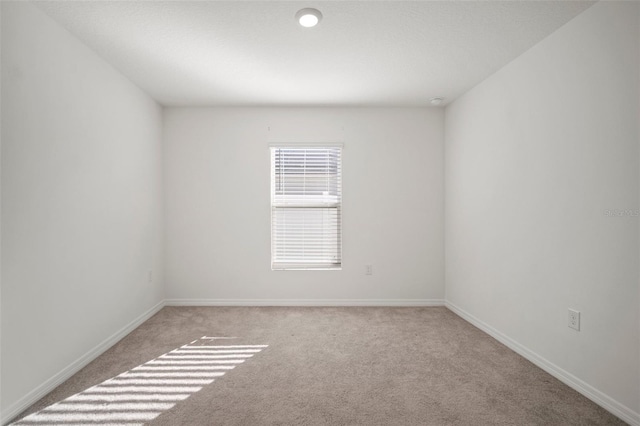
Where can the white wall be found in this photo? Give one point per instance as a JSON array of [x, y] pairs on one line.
[[534, 156], [218, 216], [81, 202], [0, 221]]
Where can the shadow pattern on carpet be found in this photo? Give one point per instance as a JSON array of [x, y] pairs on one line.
[[143, 393]]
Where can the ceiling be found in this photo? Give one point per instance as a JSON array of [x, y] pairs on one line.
[[381, 53]]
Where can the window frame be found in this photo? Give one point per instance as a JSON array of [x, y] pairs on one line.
[[308, 266]]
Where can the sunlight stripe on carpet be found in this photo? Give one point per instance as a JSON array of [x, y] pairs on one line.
[[143, 393]]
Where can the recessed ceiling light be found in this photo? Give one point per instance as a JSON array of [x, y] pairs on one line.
[[436, 101], [308, 17]]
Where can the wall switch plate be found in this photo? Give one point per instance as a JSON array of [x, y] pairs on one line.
[[368, 269], [150, 276], [574, 319]]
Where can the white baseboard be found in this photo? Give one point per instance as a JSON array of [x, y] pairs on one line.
[[46, 387], [600, 398], [304, 302]]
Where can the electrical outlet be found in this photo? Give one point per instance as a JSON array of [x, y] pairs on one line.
[[574, 319], [368, 269]]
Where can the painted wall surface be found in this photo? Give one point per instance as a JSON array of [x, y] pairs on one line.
[[81, 200], [541, 202], [217, 203]]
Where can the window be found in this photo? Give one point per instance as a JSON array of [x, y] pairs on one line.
[[306, 207]]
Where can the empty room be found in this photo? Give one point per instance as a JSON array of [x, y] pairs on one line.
[[320, 213]]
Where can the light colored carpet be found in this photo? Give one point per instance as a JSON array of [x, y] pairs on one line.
[[319, 366]]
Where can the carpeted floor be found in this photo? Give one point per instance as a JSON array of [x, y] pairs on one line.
[[320, 366]]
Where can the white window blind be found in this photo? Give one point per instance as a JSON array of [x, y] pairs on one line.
[[306, 208]]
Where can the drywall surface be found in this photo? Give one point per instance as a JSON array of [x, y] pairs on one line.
[[0, 221], [81, 201], [541, 205], [217, 204]]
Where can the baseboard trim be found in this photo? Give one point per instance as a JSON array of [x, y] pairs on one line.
[[304, 302], [50, 384], [600, 398]]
